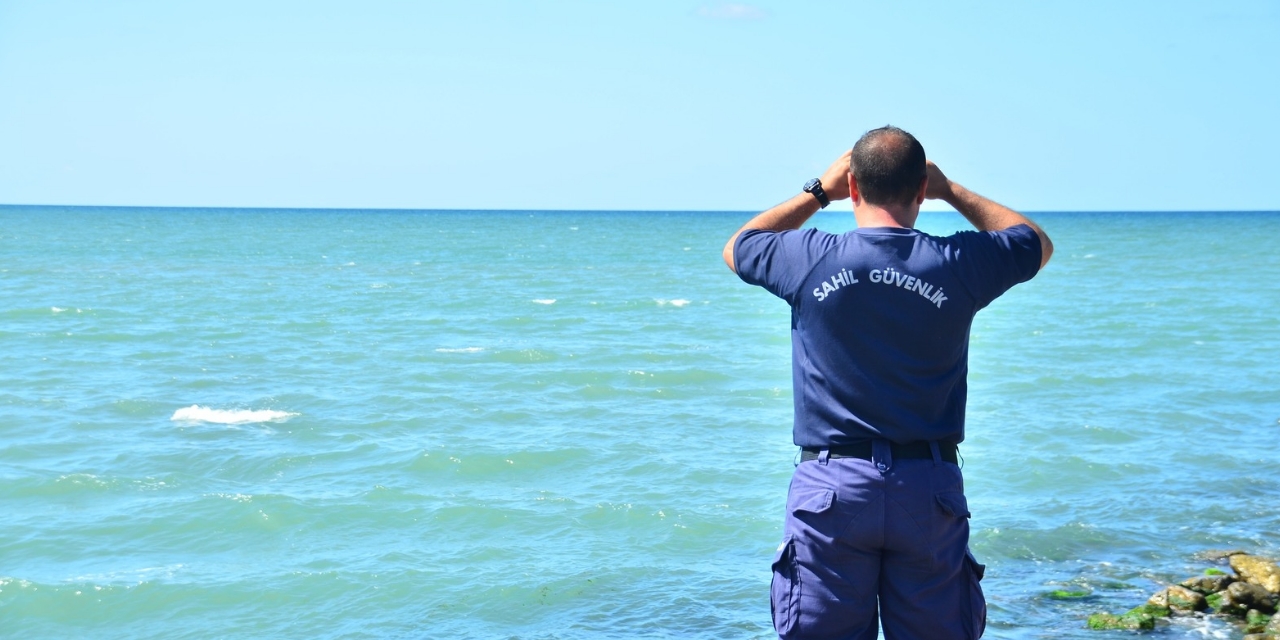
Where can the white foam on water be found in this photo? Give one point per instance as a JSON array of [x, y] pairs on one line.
[[462, 350], [678, 302], [1206, 627], [237, 497], [545, 300], [134, 576], [197, 413], [18, 582], [87, 479]]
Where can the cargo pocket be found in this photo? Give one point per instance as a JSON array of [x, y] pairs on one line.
[[953, 503], [977, 601], [784, 591]]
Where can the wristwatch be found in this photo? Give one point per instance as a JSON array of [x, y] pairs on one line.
[[814, 186]]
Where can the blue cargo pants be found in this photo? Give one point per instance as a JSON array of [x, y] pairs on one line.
[[873, 541]]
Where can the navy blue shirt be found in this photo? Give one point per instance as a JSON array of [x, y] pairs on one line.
[[880, 322]]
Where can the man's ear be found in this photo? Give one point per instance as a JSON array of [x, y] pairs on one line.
[[853, 189], [924, 186]]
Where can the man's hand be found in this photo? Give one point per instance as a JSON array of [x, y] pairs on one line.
[[836, 180], [985, 214], [938, 187], [794, 212]]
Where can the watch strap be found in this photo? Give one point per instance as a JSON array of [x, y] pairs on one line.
[[814, 187]]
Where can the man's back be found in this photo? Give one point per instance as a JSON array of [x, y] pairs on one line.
[[880, 323]]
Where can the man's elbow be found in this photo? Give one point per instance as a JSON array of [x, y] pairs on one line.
[[1046, 248], [727, 254]]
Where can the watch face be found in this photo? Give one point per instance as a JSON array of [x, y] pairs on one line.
[[811, 185]]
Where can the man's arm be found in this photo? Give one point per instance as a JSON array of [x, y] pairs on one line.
[[985, 214], [794, 212]]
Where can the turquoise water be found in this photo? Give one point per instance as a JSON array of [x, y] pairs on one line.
[[325, 424]]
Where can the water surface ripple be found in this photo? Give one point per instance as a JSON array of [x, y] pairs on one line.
[[364, 424]]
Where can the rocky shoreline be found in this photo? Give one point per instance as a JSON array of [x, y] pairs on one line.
[[1248, 596]]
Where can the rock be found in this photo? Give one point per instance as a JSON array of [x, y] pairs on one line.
[[1256, 621], [1217, 555], [1184, 600], [1240, 597], [1066, 594], [1112, 621], [1259, 571], [1262, 636], [1247, 596], [1273, 627], [1222, 602], [1153, 610], [1208, 584]]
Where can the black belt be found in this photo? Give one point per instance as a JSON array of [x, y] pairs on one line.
[[862, 451]]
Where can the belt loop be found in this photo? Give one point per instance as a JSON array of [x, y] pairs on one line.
[[937, 455], [881, 454], [823, 456]]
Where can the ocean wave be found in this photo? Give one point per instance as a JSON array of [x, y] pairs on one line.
[[545, 300], [678, 302], [461, 350], [196, 413]]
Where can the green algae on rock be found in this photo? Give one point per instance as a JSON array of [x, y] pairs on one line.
[[1065, 594], [1180, 599], [1251, 596], [1104, 621]]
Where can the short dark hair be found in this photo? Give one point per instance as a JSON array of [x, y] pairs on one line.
[[888, 164]]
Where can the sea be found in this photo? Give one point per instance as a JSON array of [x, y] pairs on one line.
[[254, 423]]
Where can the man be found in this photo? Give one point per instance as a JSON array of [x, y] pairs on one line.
[[876, 527]]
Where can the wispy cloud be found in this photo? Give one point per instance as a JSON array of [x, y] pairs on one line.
[[731, 11]]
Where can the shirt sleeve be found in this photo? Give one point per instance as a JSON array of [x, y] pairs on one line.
[[992, 262], [779, 261]]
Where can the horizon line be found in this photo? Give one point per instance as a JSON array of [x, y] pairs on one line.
[[496, 210]]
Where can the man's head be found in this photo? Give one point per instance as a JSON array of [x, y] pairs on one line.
[[888, 165]]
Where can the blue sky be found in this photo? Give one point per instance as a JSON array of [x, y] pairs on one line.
[[1043, 105]]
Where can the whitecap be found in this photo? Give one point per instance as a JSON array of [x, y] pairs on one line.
[[462, 350], [197, 413], [235, 497], [545, 300], [135, 576]]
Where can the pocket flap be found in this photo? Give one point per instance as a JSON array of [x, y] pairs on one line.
[[954, 504], [815, 501], [783, 550], [979, 569]]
